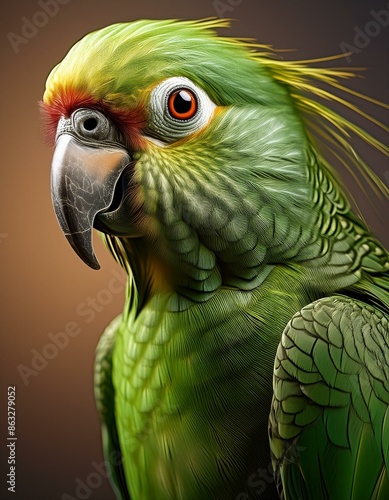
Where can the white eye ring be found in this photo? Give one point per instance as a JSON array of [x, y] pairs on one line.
[[162, 124]]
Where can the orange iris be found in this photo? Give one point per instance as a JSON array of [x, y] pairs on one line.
[[182, 104]]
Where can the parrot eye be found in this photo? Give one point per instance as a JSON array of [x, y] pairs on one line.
[[177, 109], [182, 104], [91, 124]]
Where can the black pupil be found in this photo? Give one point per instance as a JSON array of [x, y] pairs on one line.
[[90, 124], [182, 102]]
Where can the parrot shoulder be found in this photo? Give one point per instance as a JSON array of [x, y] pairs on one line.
[[329, 419], [105, 397]]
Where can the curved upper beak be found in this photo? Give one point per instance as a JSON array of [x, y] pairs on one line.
[[83, 180]]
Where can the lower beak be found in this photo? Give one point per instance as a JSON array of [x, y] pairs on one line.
[[83, 180]]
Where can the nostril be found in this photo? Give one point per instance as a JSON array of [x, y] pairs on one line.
[[90, 124]]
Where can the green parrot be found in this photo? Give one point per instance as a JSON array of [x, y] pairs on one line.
[[252, 356]]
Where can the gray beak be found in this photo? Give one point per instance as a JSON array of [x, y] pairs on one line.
[[83, 180]]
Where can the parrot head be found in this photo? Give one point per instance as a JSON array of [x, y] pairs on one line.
[[189, 152]]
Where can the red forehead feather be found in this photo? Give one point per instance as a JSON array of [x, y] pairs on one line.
[[128, 121]]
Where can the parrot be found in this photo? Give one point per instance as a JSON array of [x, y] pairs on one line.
[[251, 359]]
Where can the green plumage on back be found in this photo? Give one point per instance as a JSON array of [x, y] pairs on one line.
[[253, 289]]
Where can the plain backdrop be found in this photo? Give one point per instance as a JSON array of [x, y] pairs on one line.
[[45, 288]]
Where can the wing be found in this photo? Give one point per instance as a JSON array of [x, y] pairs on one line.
[[329, 421], [105, 400]]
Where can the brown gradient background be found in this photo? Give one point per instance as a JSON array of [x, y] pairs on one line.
[[42, 280]]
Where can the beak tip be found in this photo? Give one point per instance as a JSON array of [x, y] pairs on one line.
[[90, 261], [82, 245], [96, 266]]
